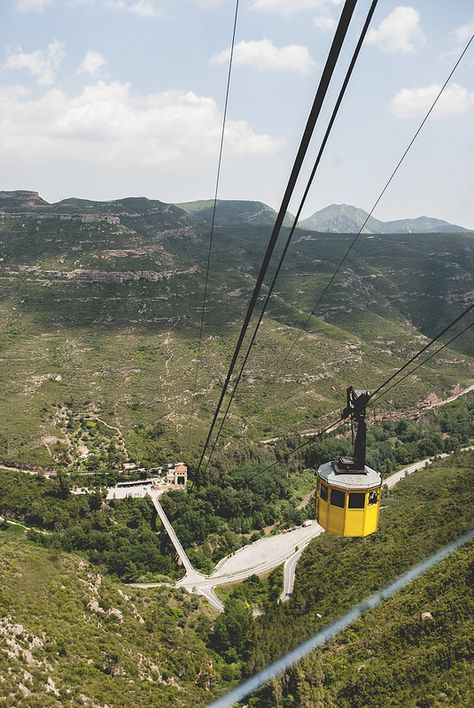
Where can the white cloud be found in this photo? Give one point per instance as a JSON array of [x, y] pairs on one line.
[[290, 7], [92, 63], [326, 24], [411, 103], [464, 32], [263, 54], [398, 32], [142, 8], [33, 5], [43, 63], [108, 124]]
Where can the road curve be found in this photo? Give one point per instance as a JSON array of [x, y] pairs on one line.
[[289, 569], [262, 555]]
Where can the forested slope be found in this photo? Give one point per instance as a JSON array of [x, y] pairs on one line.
[[414, 650], [71, 637], [425, 512]]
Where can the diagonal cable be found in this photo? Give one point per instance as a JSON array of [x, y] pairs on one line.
[[271, 671], [336, 46], [387, 184], [341, 422], [214, 207], [297, 217], [446, 344], [395, 170]]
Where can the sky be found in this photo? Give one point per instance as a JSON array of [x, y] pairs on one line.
[[102, 99]]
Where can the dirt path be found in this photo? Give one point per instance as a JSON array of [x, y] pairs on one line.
[[425, 406], [46, 473], [121, 439], [305, 500]]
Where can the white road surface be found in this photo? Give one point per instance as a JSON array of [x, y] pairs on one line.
[[259, 557], [289, 569]]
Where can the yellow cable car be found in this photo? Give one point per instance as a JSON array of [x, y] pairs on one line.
[[348, 492]]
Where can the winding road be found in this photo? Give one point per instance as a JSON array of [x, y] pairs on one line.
[[289, 569], [261, 556]]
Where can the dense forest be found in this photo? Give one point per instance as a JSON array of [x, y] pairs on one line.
[[430, 509], [227, 509], [118, 537], [414, 650]]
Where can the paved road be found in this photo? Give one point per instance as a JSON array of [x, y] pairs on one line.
[[289, 569], [405, 471], [191, 573], [289, 574], [259, 557], [193, 579]]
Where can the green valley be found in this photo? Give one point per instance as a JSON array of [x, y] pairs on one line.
[[100, 309]]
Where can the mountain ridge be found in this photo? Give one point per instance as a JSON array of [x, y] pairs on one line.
[[335, 218], [345, 218]]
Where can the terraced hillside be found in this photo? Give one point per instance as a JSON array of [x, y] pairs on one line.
[[100, 310]]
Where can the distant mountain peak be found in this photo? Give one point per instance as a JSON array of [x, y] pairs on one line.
[[335, 218], [345, 218]]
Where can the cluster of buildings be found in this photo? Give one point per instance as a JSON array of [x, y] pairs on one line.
[[172, 475]]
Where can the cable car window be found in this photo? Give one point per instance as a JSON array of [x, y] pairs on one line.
[[373, 496], [323, 492], [337, 498], [356, 500]]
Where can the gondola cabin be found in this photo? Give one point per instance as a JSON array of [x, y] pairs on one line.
[[348, 491]]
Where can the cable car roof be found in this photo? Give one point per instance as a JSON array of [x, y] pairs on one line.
[[349, 481]]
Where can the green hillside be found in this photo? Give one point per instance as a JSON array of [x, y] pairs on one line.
[[103, 318], [414, 650], [423, 513], [71, 637], [74, 636], [233, 212]]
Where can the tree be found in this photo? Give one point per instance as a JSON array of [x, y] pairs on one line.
[[232, 629], [63, 485]]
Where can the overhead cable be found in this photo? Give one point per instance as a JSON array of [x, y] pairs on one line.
[[297, 217], [336, 46], [418, 366], [214, 207], [376, 203], [336, 425], [395, 170], [339, 423], [320, 638]]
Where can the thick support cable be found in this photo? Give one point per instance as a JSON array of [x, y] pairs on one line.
[[340, 423], [298, 214], [376, 203], [320, 638], [328, 71]]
